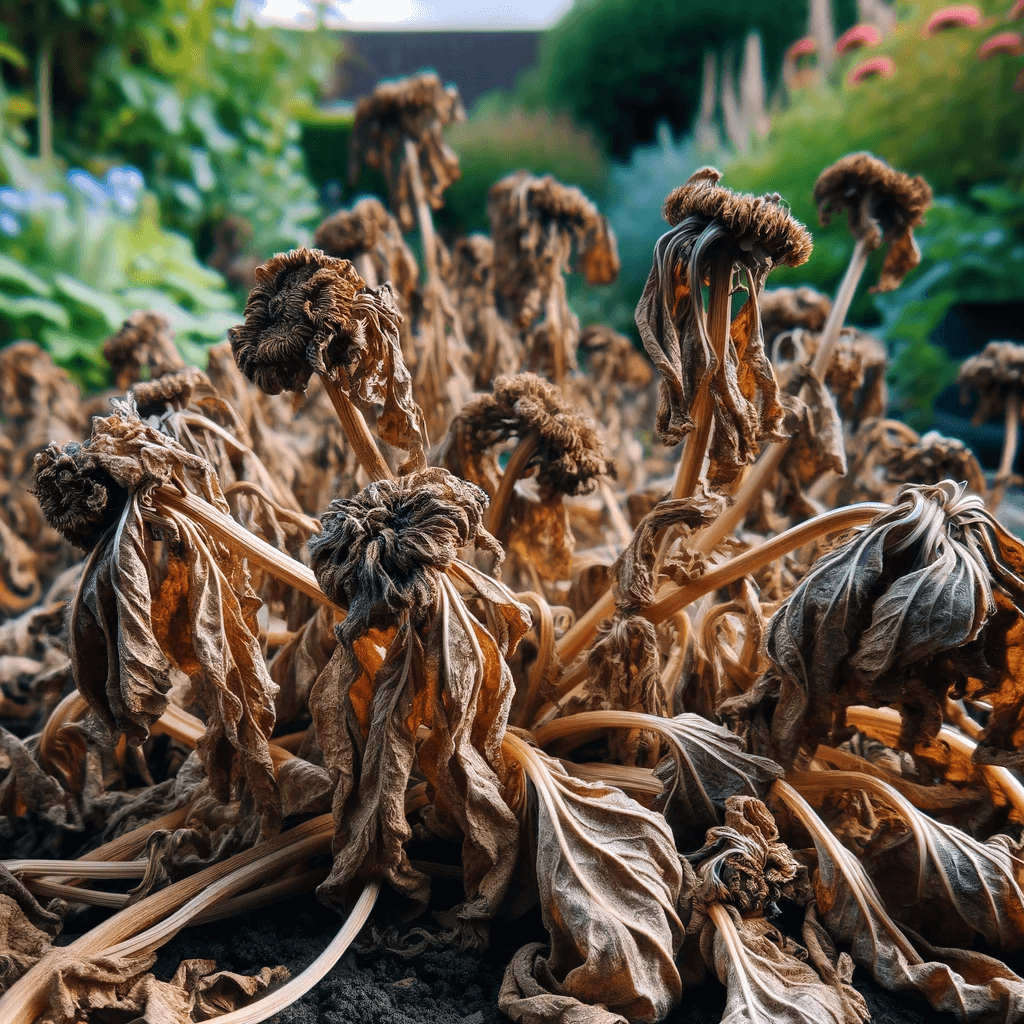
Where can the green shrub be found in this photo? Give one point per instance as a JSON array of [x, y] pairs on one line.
[[78, 255], [621, 67]]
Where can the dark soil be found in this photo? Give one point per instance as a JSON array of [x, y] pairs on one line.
[[438, 986]]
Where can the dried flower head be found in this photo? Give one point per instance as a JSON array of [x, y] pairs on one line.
[[382, 552], [568, 457], [535, 223], [783, 309], [311, 313], [172, 390], [934, 458], [725, 380], [368, 229], [995, 373], [415, 109], [145, 341], [612, 357], [79, 498], [298, 319], [883, 206]]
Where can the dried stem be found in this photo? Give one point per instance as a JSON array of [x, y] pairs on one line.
[[498, 514], [1010, 439], [701, 412], [544, 623], [556, 326], [295, 989], [841, 305], [44, 94], [25, 1000], [675, 598], [357, 432], [885, 724], [365, 269], [246, 544]]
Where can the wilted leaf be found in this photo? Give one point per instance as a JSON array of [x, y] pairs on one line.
[[608, 876]]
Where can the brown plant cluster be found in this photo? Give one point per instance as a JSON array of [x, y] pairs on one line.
[[746, 714]]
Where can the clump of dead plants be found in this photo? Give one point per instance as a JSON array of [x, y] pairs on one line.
[[750, 713]]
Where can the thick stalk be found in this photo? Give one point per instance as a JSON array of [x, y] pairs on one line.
[[555, 329], [841, 305], [675, 598], [366, 270], [1010, 439], [701, 412], [357, 432], [244, 543], [497, 519]]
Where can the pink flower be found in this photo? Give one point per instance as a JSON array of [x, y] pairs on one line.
[[873, 67], [1001, 42], [955, 16], [1016, 11], [804, 47], [858, 36]]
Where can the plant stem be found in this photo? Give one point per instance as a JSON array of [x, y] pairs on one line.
[[298, 986], [498, 515], [25, 1000], [675, 598], [358, 433], [766, 466], [365, 269], [1010, 439], [429, 240], [246, 544], [702, 412]]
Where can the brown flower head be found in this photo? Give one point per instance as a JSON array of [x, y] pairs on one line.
[[311, 313], [172, 390], [923, 600], [300, 308], [382, 552], [414, 108], [883, 206], [535, 223], [79, 498], [934, 458], [37, 398], [612, 356], [782, 309], [994, 373], [715, 235], [569, 455], [145, 341], [368, 229]]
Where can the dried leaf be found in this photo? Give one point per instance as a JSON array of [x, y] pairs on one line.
[[609, 878], [711, 224]]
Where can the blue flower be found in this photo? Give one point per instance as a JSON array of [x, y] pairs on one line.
[[9, 224], [88, 186]]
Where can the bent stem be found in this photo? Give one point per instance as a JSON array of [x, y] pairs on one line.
[[1010, 439], [244, 543], [358, 433], [295, 989], [26, 999], [885, 724], [701, 412], [498, 515], [675, 598], [841, 305]]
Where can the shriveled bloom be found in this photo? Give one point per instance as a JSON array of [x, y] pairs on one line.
[[934, 458], [566, 454], [883, 206], [925, 600], [995, 373], [384, 554], [145, 341], [369, 231], [782, 309], [415, 109], [716, 235], [311, 313]]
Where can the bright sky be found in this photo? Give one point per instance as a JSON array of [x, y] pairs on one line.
[[411, 14]]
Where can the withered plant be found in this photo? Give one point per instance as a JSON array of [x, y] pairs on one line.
[[757, 725]]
